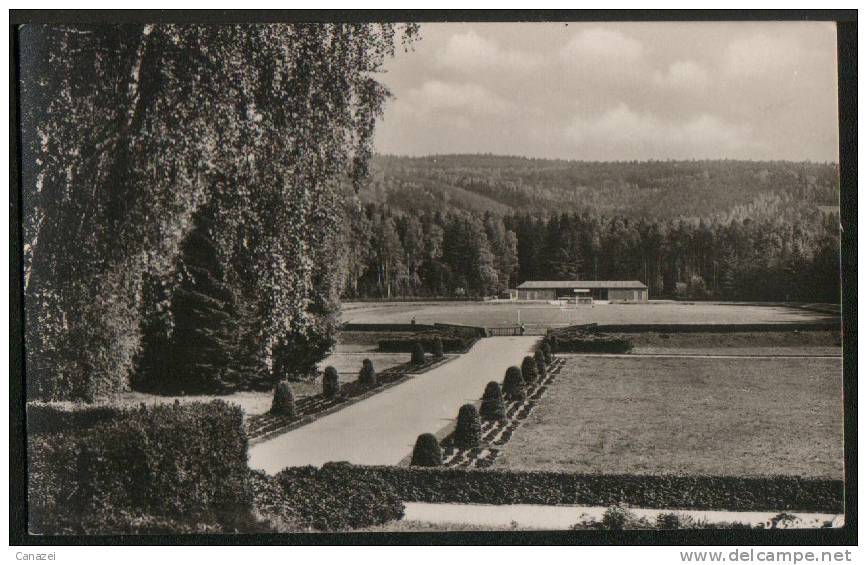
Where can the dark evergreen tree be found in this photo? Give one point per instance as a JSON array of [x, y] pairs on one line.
[[197, 347]]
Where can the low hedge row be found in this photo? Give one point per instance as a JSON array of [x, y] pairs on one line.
[[169, 468], [451, 342], [43, 418], [326, 499], [485, 486], [568, 340]]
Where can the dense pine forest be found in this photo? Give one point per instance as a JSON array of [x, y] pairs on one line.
[[472, 225]]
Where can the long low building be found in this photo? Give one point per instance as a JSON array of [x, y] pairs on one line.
[[625, 291]]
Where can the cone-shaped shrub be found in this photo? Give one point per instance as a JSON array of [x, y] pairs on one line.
[[547, 352], [513, 384], [492, 403], [468, 432], [330, 382], [417, 354], [367, 375], [438, 348], [427, 452], [528, 369], [541, 366], [284, 401]]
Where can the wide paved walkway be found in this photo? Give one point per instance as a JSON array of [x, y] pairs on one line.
[[382, 429]]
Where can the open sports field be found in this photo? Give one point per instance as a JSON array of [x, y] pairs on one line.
[[754, 416], [505, 313]]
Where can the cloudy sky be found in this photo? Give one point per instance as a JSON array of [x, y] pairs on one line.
[[620, 91]]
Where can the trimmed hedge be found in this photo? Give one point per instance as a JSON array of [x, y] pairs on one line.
[[43, 418], [513, 384], [334, 497], [283, 403], [367, 375], [572, 340], [547, 353], [541, 368], [454, 339], [468, 431], [438, 352], [175, 468], [330, 382], [417, 354], [486, 486], [493, 407], [427, 452], [529, 370]]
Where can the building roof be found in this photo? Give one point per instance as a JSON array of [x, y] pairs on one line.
[[580, 284]]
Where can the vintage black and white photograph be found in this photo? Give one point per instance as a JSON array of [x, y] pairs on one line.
[[368, 277]]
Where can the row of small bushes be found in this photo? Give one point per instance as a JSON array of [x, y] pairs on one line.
[[468, 430], [621, 518], [579, 340], [487, 486], [283, 402], [454, 339], [169, 468]]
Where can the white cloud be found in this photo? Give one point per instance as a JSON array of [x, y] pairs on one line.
[[629, 134], [597, 43], [470, 52], [434, 97], [684, 76], [759, 55]]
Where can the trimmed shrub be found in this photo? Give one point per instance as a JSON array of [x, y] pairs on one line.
[[468, 432], [493, 407], [427, 452], [672, 521], [330, 498], [617, 518], [417, 354], [438, 348], [699, 492], [367, 375], [580, 341], [330, 382], [455, 339], [546, 351], [528, 369], [541, 367], [283, 403], [173, 468], [513, 384]]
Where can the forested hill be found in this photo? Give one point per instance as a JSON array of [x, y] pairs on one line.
[[649, 189], [477, 224]]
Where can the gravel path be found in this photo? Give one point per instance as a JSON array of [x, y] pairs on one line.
[[382, 429]]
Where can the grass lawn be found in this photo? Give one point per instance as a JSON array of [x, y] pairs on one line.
[[349, 364], [687, 416], [492, 314], [738, 343]]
